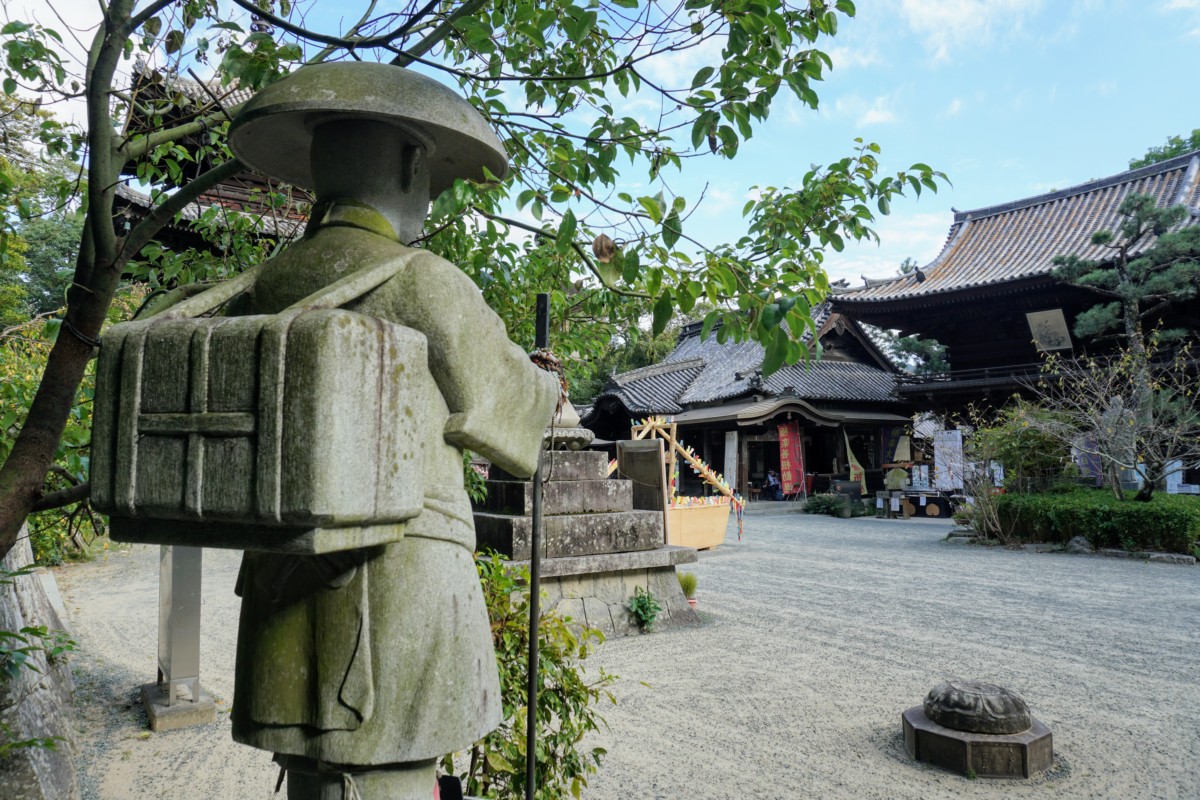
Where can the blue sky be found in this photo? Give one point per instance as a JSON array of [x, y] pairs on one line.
[[1009, 97]]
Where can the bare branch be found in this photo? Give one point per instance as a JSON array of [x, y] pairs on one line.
[[63, 497]]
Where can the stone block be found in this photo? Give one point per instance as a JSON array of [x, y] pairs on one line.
[[664, 584], [183, 714], [665, 556], [598, 615], [559, 497], [1173, 558], [1018, 755], [573, 609], [1080, 545], [565, 465], [575, 587], [570, 535], [610, 587]]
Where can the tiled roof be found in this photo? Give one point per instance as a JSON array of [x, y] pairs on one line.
[[1019, 240], [700, 372], [278, 226]]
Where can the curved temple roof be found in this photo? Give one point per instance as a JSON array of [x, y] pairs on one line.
[[699, 373], [1019, 240]]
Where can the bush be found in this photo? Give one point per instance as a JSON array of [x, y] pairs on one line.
[[1169, 523], [831, 504], [567, 697]]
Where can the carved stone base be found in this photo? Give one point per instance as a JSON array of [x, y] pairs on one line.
[[983, 755], [308, 780]]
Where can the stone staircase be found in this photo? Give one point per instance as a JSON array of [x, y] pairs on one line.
[[596, 548]]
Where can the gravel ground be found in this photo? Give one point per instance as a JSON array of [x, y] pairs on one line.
[[818, 633]]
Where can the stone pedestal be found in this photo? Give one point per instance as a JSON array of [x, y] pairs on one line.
[[977, 730], [165, 715], [596, 549]]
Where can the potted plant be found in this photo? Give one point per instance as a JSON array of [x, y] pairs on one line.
[[687, 582]]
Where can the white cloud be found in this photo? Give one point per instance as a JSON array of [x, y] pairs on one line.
[[675, 70], [919, 236], [955, 107], [865, 112], [948, 25], [878, 113], [1189, 8], [852, 57]]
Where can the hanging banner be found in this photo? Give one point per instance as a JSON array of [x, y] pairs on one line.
[[857, 473], [731, 457], [791, 457], [947, 460]]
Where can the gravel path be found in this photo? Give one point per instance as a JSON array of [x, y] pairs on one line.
[[819, 633]]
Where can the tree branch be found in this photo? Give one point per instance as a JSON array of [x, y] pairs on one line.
[[145, 230], [63, 497], [574, 246], [135, 22], [438, 34], [135, 148], [313, 36]]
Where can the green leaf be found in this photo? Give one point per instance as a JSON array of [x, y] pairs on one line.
[[702, 77], [497, 762], [566, 232], [662, 313], [14, 27], [652, 207], [776, 352], [672, 229], [885, 205], [771, 316], [174, 41], [10, 86], [153, 26]]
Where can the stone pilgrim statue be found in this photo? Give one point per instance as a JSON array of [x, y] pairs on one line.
[[361, 662]]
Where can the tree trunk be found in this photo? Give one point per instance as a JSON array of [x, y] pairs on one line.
[[23, 475]]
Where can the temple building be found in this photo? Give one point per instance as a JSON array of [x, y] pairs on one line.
[[990, 296], [732, 416]]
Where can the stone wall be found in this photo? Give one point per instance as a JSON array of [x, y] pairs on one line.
[[35, 704], [601, 600]]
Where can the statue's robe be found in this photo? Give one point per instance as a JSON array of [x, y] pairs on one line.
[[384, 655]]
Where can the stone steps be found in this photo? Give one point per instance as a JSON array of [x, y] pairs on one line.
[[570, 534], [559, 497], [565, 465]]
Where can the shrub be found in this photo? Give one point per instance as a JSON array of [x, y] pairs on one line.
[[831, 504], [644, 608], [1169, 523], [567, 697]]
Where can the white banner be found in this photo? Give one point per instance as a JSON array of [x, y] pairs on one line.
[[947, 460]]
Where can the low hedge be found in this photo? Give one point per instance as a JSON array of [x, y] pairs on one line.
[[1168, 523]]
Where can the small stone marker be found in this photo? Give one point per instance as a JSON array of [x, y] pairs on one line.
[[978, 730]]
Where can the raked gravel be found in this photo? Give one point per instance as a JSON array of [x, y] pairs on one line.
[[818, 633]]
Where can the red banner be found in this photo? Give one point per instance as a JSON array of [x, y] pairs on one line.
[[791, 456]]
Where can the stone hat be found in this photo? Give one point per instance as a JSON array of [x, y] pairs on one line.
[[274, 131]]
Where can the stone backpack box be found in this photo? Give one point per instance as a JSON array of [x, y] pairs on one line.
[[294, 432]]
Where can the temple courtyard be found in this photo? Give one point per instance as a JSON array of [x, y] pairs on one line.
[[818, 633]]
